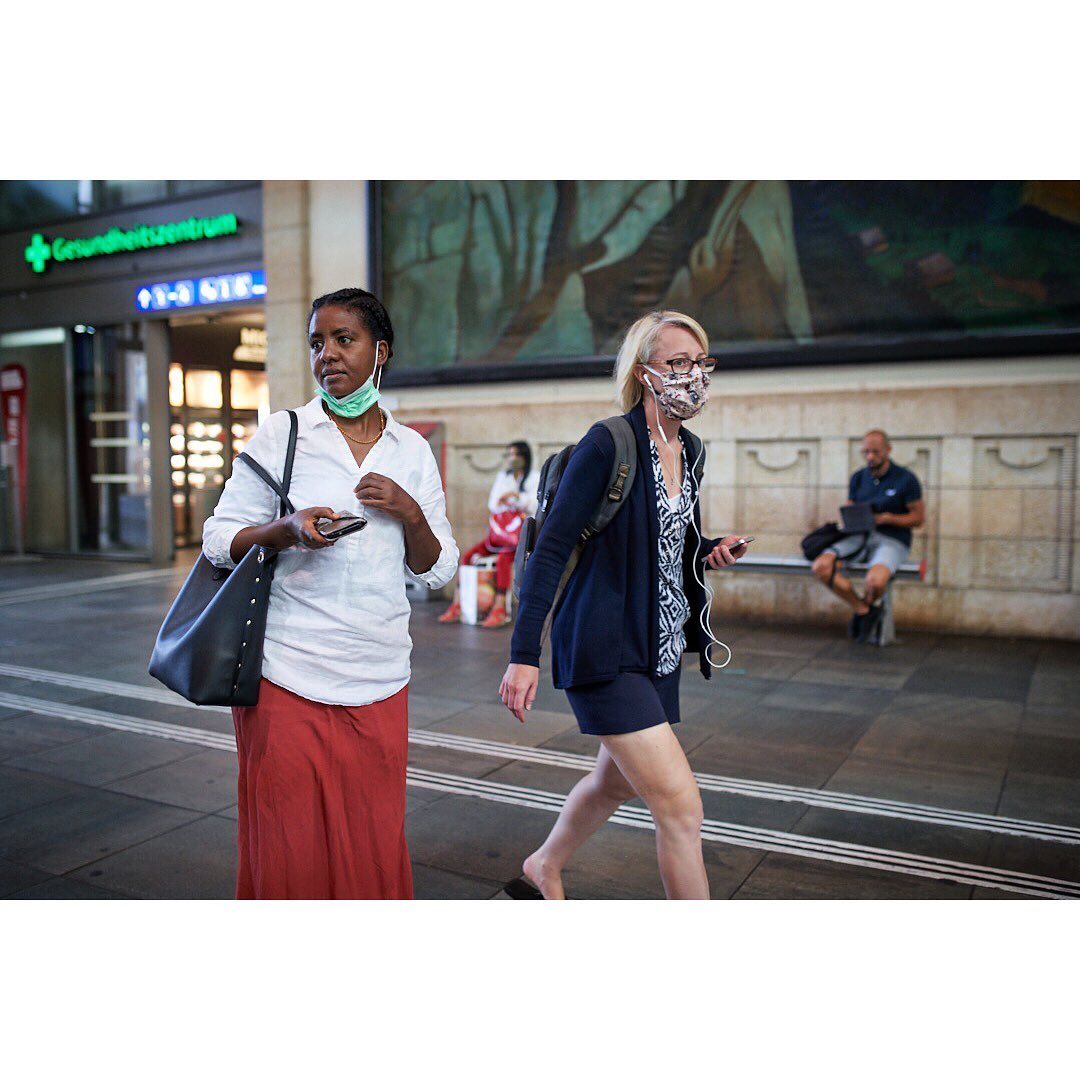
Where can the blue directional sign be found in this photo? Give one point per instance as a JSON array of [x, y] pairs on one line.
[[198, 292]]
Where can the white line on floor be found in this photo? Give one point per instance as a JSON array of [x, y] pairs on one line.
[[760, 789], [772, 840], [106, 686], [135, 725], [755, 789], [63, 589], [812, 847]]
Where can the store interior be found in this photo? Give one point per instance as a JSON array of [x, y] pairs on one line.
[[218, 395]]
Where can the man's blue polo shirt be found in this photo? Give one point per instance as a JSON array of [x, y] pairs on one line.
[[892, 493]]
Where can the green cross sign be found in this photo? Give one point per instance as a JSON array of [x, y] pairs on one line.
[[41, 252], [38, 253]]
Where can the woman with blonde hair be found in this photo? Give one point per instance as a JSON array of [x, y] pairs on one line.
[[635, 602]]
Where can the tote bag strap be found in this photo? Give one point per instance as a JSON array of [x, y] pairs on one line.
[[282, 489]]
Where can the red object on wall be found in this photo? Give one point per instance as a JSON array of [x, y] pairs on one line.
[[433, 432], [13, 409]]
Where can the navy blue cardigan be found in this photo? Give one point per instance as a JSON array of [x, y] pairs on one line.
[[607, 620]]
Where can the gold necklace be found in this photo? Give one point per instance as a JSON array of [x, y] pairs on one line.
[[364, 442]]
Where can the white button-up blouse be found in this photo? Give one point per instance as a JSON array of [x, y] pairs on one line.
[[338, 625]]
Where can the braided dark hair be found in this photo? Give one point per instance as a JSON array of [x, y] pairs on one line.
[[367, 307]]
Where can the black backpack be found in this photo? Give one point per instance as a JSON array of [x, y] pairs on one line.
[[623, 469], [814, 543]]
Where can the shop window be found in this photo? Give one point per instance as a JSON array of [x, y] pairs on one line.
[[220, 397], [114, 193], [249, 391], [112, 429], [203, 389], [111, 194], [176, 386], [23, 202], [36, 203]]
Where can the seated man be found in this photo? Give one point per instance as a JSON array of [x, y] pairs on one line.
[[895, 496]]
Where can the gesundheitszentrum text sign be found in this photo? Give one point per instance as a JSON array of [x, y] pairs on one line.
[[41, 251]]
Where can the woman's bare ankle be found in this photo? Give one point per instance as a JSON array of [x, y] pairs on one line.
[[544, 876]]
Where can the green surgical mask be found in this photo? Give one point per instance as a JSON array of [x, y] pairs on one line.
[[361, 399]]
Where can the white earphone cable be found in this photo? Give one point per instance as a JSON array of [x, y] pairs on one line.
[[706, 611], [699, 575]]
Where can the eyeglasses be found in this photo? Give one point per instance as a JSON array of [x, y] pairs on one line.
[[682, 365]]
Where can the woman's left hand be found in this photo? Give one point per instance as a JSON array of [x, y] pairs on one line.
[[722, 555], [381, 493]]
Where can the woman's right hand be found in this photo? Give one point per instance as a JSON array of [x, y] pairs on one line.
[[518, 688], [299, 527]]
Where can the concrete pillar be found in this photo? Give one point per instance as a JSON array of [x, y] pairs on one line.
[[156, 345], [315, 239], [338, 231], [288, 290]]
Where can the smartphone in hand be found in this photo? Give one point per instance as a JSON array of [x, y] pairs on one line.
[[335, 529], [741, 544]]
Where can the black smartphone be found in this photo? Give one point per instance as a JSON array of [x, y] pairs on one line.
[[336, 528], [741, 544]]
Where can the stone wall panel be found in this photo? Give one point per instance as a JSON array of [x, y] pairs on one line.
[[993, 441]]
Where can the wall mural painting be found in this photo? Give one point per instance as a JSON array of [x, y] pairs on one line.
[[497, 272]]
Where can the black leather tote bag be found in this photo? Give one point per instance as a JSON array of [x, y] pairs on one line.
[[210, 646]]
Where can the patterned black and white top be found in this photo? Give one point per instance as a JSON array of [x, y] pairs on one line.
[[674, 607]]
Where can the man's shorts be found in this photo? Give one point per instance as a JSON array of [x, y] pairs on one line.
[[881, 550]]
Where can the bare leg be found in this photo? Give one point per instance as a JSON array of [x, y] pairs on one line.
[[841, 586], [877, 581], [655, 764], [594, 799]]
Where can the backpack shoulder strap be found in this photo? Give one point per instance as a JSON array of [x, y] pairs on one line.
[[623, 468], [282, 489], [621, 477]]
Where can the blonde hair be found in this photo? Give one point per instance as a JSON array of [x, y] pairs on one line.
[[637, 348]]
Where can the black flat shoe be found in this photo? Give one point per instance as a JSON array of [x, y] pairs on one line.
[[855, 627], [520, 889]]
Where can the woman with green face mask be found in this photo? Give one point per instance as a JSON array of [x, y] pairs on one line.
[[512, 499], [322, 755]]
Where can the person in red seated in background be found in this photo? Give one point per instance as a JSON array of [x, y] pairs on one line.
[[512, 499]]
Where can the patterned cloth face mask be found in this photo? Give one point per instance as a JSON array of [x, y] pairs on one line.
[[683, 396]]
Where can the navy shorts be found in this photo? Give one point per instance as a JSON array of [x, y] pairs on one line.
[[632, 701]]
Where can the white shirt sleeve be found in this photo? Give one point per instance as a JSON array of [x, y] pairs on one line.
[[246, 499], [433, 503], [524, 499], [499, 487], [529, 491]]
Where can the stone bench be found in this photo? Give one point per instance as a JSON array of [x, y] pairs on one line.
[[789, 564]]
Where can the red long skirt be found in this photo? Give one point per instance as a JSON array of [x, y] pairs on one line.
[[322, 799]]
